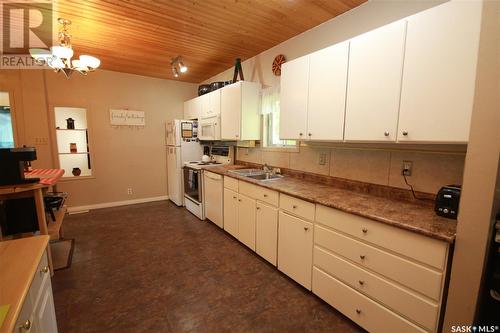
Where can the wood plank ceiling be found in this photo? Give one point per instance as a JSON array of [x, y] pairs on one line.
[[141, 37]]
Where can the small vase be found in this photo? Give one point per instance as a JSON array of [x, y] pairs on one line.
[[70, 123], [76, 172]]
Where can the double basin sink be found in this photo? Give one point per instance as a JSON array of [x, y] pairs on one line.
[[257, 174]]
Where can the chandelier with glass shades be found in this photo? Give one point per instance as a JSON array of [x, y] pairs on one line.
[[59, 57]]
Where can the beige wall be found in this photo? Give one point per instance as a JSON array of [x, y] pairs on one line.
[[378, 165], [477, 205], [121, 157]]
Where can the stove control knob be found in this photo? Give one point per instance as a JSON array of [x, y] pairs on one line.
[[445, 210]]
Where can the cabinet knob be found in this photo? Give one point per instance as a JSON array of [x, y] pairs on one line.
[[306, 228], [265, 195], [358, 311], [234, 197], [309, 134], [258, 208], [362, 257], [361, 282], [239, 200], [386, 133], [294, 206], [45, 269], [405, 133], [300, 134], [26, 325], [364, 230]]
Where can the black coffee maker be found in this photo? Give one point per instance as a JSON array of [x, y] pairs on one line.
[[12, 165]]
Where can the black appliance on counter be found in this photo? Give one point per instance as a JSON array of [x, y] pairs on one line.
[[447, 200], [12, 165]]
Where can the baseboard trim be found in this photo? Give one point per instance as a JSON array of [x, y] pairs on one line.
[[86, 208]]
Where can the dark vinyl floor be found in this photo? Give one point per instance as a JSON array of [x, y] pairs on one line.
[[156, 268]]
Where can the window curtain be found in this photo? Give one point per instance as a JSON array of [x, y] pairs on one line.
[[271, 100]]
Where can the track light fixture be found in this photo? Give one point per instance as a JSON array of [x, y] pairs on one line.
[[178, 66]]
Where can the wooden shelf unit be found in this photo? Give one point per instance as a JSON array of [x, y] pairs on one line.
[[54, 227]]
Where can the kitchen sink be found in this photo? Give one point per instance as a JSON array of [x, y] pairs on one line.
[[257, 174], [265, 176]]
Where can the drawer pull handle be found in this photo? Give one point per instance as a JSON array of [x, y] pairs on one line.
[[362, 257], [265, 195], [294, 206], [306, 228], [45, 269], [364, 230], [361, 282], [234, 197], [26, 325], [358, 311]]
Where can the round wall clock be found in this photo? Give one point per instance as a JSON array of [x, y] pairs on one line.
[[278, 61]]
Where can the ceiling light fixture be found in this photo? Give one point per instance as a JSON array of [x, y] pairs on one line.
[[178, 66], [59, 57]]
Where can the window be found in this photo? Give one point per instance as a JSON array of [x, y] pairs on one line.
[[271, 119], [6, 133]]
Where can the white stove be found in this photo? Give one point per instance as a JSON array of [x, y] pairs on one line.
[[194, 191]]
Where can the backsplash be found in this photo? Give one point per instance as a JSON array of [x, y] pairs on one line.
[[430, 170]]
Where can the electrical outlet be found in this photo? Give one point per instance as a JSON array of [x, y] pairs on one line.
[[129, 191], [406, 168], [322, 158]]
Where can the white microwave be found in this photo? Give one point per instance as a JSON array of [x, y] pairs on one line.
[[209, 128]]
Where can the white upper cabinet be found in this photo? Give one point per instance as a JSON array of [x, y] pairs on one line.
[[240, 111], [293, 98], [327, 93], [439, 74], [374, 84], [210, 104]]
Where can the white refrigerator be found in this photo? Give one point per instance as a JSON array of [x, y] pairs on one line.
[[182, 146]]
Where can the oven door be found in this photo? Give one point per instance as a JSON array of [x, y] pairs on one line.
[[209, 128], [192, 184]]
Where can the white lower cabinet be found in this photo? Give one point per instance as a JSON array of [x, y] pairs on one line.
[[231, 212], [246, 220], [362, 310], [38, 313], [295, 244], [266, 233], [382, 277]]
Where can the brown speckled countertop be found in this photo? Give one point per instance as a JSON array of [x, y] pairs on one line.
[[405, 215]]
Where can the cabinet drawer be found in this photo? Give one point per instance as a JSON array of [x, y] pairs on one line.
[[297, 207], [419, 278], [366, 313], [259, 193], [42, 273], [231, 183], [424, 249], [388, 293]]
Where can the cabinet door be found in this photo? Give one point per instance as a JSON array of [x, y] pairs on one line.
[[374, 84], [246, 221], [212, 185], [327, 92], [196, 107], [266, 233], [231, 212], [214, 102], [45, 316], [295, 245], [230, 112], [439, 73], [293, 98], [204, 105]]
